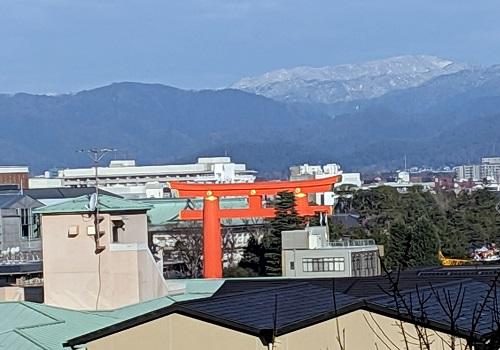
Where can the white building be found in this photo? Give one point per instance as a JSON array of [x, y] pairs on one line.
[[488, 169], [125, 178], [468, 172], [307, 171], [308, 253]]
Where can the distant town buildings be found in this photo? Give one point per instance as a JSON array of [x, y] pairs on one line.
[[488, 170], [306, 171], [125, 178]]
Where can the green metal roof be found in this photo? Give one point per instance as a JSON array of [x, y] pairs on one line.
[[32, 326], [166, 210], [106, 204]]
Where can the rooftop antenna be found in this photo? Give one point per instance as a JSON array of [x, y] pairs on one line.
[[96, 154], [405, 163]]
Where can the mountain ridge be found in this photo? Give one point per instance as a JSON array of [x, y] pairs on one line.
[[348, 82]]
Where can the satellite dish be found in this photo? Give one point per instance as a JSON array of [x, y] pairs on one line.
[[92, 202]]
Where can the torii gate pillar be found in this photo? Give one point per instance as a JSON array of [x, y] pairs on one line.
[[212, 238]]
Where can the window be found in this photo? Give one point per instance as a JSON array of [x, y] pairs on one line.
[[323, 264], [25, 222], [292, 265], [118, 225]]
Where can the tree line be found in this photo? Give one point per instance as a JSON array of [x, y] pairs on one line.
[[413, 226]]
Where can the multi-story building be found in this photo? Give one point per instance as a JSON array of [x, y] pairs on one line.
[[468, 172], [125, 178], [308, 253], [14, 175], [489, 169]]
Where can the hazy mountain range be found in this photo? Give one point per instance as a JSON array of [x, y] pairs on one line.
[[435, 111]]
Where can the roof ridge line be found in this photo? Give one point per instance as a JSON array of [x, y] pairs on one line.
[[40, 311], [126, 306], [301, 283], [25, 336]]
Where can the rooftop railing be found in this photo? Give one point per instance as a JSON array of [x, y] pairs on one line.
[[351, 243]]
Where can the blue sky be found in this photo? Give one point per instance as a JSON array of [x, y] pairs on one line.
[[54, 46]]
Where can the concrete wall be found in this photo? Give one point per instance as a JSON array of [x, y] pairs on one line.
[[76, 277], [177, 332], [355, 331], [297, 255], [11, 293]]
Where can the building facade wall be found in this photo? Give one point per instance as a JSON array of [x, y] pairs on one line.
[[357, 330], [354, 262], [15, 178], [177, 332], [76, 277]]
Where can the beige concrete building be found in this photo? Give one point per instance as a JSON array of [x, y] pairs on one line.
[[78, 275], [295, 317], [356, 330]]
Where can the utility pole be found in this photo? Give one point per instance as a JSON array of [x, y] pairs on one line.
[[96, 154]]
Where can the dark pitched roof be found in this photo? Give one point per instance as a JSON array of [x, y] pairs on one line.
[[287, 307], [267, 307], [64, 192], [6, 200], [252, 312], [363, 287], [456, 308]]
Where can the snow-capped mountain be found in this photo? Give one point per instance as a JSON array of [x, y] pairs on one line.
[[348, 82]]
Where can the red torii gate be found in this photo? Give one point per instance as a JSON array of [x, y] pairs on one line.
[[212, 213]]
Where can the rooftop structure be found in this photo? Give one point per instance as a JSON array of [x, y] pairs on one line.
[[14, 175], [309, 253], [98, 260], [125, 178]]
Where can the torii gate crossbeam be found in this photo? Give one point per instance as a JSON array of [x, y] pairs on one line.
[[211, 214]]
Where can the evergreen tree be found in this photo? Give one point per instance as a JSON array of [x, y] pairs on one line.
[[253, 257], [397, 246], [423, 244], [286, 219]]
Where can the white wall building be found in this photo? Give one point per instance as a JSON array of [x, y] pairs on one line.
[[125, 178], [308, 253], [307, 171], [488, 169]]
